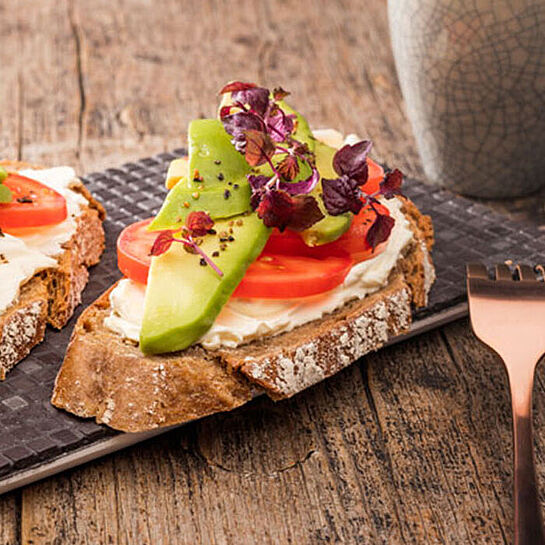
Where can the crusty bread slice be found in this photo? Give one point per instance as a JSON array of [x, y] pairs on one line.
[[107, 377], [51, 296]]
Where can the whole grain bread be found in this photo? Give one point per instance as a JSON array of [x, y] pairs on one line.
[[107, 377], [51, 295]]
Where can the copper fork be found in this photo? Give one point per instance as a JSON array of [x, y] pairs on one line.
[[508, 314]]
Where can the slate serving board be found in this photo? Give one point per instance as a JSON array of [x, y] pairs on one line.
[[37, 440]]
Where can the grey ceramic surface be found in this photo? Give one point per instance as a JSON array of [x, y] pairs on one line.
[[472, 74]]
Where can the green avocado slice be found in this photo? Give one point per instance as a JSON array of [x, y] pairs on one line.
[[330, 228], [183, 298], [216, 202], [221, 189]]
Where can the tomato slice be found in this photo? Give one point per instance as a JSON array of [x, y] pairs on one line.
[[133, 249], [376, 175], [288, 243], [33, 205], [354, 241], [287, 276]]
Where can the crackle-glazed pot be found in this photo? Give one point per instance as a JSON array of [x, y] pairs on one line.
[[472, 73]]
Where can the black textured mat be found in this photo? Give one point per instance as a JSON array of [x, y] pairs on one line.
[[34, 433]]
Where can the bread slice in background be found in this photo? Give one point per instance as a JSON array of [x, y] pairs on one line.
[[107, 377], [51, 295]]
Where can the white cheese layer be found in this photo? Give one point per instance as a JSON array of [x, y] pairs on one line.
[[25, 255], [242, 320], [49, 240], [18, 263]]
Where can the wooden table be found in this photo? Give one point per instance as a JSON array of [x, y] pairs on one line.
[[412, 445]]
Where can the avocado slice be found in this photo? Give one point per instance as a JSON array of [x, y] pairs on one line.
[[329, 228], [221, 189], [302, 130], [183, 298], [218, 202]]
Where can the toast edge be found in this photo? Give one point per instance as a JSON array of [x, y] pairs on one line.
[[51, 296]]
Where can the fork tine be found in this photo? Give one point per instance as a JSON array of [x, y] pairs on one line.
[[476, 270], [526, 273], [503, 272]]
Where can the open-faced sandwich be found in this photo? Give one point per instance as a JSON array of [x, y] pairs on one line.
[[50, 232], [279, 256]]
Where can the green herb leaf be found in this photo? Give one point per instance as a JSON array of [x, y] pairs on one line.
[[3, 174], [5, 194]]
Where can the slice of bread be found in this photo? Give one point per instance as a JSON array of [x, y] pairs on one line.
[[51, 295], [107, 377]]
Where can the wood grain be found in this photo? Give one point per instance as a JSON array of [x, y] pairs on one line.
[[9, 518], [412, 445]]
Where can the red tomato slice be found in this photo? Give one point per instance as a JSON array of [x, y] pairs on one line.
[[133, 248], [288, 276], [287, 243], [376, 175], [354, 240], [270, 277], [33, 205]]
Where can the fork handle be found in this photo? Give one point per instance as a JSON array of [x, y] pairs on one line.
[[528, 518]]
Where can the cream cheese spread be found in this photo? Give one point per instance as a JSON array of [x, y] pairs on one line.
[[23, 256], [242, 320]]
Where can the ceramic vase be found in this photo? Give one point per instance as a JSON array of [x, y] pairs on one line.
[[472, 73]]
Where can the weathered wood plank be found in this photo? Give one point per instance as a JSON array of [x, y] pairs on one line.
[[265, 474], [10, 84], [40, 99], [450, 459], [399, 449], [140, 86], [9, 518]]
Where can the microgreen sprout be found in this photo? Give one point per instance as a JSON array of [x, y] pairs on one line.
[[198, 224]]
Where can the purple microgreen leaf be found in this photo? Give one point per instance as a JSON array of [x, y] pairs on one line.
[[341, 195], [380, 230], [351, 161], [305, 214], [225, 111], [302, 186], [162, 243], [257, 184], [236, 124], [281, 210], [279, 93], [259, 147], [256, 97], [276, 209], [288, 168], [391, 185], [199, 223], [280, 125], [235, 86]]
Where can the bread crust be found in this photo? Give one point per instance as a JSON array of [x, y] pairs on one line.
[[51, 295], [107, 377]]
